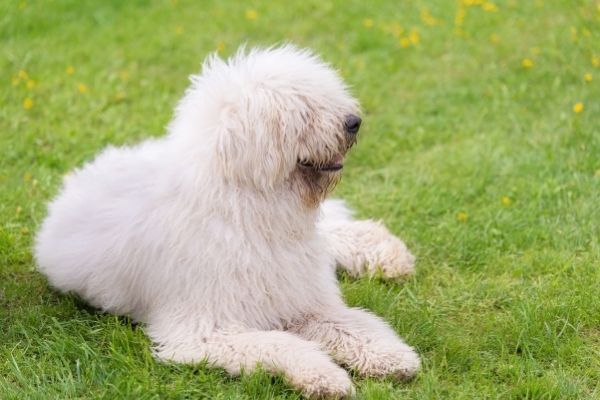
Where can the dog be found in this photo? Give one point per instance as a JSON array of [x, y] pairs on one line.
[[218, 237]]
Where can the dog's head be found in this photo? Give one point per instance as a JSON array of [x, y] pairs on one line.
[[280, 117]]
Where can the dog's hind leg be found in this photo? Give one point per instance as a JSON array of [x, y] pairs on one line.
[[362, 246], [301, 362], [361, 341]]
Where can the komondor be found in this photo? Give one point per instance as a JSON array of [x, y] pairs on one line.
[[218, 236]]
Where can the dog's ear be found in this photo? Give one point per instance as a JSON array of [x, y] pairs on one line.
[[252, 147]]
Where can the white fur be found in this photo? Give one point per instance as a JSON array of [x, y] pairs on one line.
[[218, 240]]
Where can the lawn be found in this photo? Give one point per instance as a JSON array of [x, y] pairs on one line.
[[480, 147]]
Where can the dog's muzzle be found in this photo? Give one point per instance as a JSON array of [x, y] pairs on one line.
[[351, 127]]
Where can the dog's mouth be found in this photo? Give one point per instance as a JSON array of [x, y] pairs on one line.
[[330, 166]]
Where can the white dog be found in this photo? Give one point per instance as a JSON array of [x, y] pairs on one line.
[[217, 235]]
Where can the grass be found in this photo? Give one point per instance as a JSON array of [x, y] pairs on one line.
[[471, 153]]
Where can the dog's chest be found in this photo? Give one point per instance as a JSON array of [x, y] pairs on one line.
[[280, 284]]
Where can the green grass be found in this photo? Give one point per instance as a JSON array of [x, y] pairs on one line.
[[478, 162]]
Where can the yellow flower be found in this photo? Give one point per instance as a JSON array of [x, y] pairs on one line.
[[251, 15], [462, 216], [527, 63], [220, 47], [578, 107], [459, 18], [413, 36], [427, 18], [70, 70], [82, 88], [27, 103], [506, 201], [587, 77], [30, 84], [404, 42], [368, 23], [489, 7], [596, 61]]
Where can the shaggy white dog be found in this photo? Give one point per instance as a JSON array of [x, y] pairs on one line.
[[216, 236]]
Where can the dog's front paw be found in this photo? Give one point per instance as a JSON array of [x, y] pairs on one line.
[[402, 364], [332, 382], [391, 258]]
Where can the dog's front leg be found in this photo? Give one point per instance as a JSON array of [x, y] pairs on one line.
[[302, 362], [361, 341], [362, 246]]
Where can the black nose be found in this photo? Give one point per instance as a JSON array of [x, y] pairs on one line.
[[352, 124]]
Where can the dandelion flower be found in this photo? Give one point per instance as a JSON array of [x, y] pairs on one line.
[[527, 63], [27, 103], [82, 88], [577, 108], [462, 216], [413, 36], [596, 61], [70, 70], [368, 23], [251, 15], [405, 42], [506, 201], [489, 7], [459, 18], [587, 77], [427, 18]]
